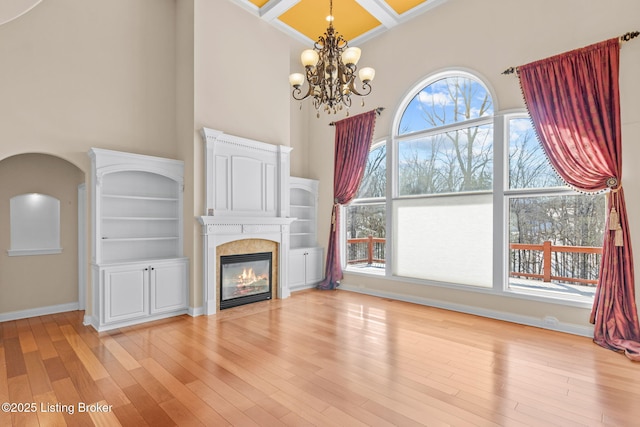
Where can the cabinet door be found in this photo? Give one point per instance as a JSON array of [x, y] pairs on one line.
[[126, 293], [314, 261], [168, 287], [296, 268]]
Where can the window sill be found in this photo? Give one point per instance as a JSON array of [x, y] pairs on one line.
[[29, 252], [531, 296]]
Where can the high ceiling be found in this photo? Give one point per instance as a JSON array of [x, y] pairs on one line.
[[356, 20], [12, 9]]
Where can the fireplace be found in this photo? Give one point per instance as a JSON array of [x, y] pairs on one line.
[[245, 278], [247, 198]]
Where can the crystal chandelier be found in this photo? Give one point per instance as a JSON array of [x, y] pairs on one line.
[[330, 72]]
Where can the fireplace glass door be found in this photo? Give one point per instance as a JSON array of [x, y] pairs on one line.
[[244, 279]]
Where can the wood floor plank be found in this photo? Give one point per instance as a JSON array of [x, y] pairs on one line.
[[42, 338], [48, 417], [5, 417], [317, 358], [55, 369], [81, 378], [125, 359], [128, 415], [104, 418], [9, 330], [219, 404], [180, 414], [264, 418], [112, 393], [146, 407], [25, 334], [84, 354], [14, 358], [37, 373], [68, 397], [156, 390], [20, 393], [189, 399]]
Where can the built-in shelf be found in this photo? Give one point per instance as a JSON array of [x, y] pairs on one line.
[[139, 272], [305, 268]]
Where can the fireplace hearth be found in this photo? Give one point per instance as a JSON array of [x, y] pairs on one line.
[[245, 278]]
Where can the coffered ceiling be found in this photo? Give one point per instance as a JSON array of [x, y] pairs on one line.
[[356, 20]]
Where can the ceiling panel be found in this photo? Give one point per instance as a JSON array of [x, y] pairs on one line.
[[309, 17], [402, 6], [356, 20]]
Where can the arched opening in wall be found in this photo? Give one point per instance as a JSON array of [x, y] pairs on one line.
[[37, 280]]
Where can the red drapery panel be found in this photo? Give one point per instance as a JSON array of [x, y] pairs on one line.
[[574, 103], [352, 144]]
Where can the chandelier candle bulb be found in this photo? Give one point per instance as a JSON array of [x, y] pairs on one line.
[[351, 55], [296, 79], [366, 74], [309, 58]]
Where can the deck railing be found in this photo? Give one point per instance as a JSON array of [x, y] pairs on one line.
[[370, 250], [366, 250], [551, 253]]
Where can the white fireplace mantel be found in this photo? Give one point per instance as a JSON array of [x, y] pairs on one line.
[[219, 230], [246, 197]]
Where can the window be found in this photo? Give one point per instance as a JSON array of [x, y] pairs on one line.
[[35, 225], [366, 216], [555, 234], [443, 212], [473, 202]]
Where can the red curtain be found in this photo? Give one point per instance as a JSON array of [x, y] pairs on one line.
[[352, 144], [574, 103]]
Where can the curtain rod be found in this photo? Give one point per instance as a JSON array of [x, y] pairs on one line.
[[623, 38], [379, 110]]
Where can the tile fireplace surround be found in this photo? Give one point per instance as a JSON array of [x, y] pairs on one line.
[[247, 197]]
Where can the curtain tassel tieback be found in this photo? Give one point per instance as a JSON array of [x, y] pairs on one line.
[[614, 217], [333, 215]]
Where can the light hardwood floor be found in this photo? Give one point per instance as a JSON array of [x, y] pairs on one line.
[[324, 358]]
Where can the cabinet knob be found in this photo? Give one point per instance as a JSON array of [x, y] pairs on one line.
[[146, 269]]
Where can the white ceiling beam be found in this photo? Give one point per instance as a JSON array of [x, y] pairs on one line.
[[381, 11], [274, 8]]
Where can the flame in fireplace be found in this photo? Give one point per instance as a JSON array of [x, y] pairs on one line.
[[248, 277]]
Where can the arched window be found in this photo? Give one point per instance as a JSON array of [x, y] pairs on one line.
[[445, 137], [443, 212]]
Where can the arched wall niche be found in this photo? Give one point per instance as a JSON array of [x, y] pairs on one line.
[[47, 283]]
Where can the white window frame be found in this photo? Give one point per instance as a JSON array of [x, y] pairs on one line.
[[507, 195], [363, 202]]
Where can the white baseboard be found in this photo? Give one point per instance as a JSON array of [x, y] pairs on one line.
[[39, 311], [554, 325], [88, 320], [195, 311]]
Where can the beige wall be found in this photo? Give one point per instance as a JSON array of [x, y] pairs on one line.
[[486, 38], [239, 76], [82, 74], [28, 282], [145, 76]]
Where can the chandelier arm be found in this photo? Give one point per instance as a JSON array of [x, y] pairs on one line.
[[365, 86]]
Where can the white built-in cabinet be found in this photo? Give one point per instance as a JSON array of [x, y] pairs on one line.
[[138, 271], [305, 256]]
